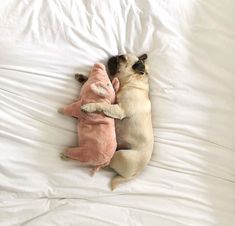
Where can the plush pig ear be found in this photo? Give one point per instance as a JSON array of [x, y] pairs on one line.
[[100, 89], [116, 84]]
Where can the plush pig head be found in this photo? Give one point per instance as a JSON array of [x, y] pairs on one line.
[[100, 84]]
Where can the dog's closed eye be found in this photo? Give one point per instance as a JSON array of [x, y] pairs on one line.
[[139, 67]]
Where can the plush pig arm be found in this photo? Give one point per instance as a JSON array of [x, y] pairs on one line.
[[72, 109]]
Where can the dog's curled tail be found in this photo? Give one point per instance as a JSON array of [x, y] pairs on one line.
[[116, 180]]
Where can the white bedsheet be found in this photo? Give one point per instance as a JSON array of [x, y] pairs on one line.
[[191, 48]]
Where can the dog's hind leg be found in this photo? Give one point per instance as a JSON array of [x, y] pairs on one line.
[[116, 180], [126, 163]]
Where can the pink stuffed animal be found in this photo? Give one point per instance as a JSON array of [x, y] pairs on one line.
[[96, 132]]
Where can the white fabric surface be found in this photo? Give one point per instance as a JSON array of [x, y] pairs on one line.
[[191, 48]]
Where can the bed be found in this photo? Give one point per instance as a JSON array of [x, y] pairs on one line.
[[191, 47]]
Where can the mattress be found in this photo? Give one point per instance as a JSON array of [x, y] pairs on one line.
[[191, 47]]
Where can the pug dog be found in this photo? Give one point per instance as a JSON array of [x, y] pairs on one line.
[[133, 113]]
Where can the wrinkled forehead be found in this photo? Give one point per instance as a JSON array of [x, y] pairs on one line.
[[131, 58]]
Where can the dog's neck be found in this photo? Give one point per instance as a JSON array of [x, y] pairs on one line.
[[133, 81]]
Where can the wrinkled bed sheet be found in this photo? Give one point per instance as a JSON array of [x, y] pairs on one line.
[[191, 48]]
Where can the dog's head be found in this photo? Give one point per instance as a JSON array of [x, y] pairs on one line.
[[128, 65]]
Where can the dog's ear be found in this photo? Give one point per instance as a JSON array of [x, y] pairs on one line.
[[113, 65], [139, 67], [143, 57]]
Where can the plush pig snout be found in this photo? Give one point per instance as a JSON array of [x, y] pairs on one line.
[[99, 67]]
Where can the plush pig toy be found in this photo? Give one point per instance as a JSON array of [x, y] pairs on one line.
[[96, 132]]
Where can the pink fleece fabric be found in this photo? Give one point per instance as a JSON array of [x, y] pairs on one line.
[[96, 132]]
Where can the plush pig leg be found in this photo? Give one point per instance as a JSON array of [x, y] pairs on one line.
[[94, 170], [97, 168], [81, 154], [72, 109]]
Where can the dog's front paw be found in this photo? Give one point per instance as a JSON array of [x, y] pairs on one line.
[[88, 108], [64, 157], [60, 110]]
